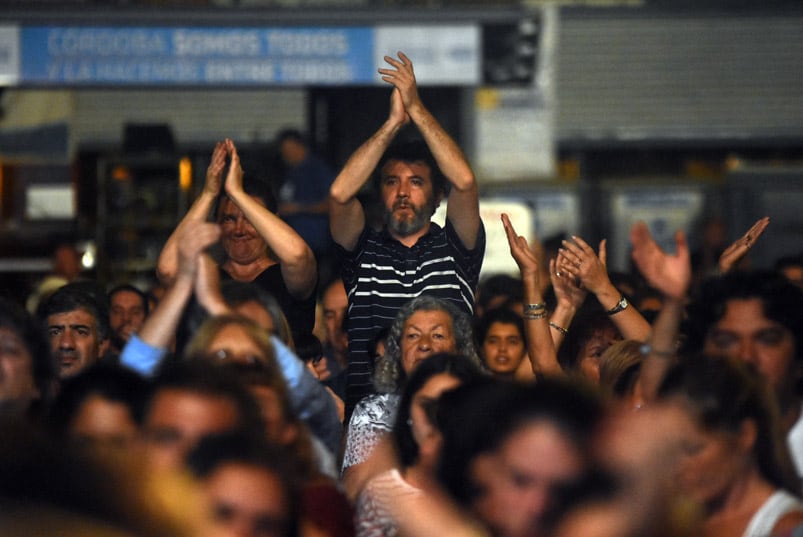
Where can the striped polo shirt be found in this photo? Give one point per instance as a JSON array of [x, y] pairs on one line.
[[381, 275]]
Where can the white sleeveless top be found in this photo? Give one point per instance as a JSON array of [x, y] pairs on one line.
[[795, 442], [767, 516]]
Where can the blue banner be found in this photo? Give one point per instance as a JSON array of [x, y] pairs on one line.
[[103, 56]]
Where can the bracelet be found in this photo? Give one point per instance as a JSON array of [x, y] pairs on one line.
[[532, 315], [559, 328], [534, 307], [620, 306]]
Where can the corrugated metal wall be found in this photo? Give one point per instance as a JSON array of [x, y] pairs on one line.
[[195, 116], [619, 77], [645, 76]]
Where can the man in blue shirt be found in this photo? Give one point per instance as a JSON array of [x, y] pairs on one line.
[[304, 194]]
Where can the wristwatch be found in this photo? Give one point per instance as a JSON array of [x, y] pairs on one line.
[[620, 306]]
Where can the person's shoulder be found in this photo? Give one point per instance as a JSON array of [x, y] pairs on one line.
[[373, 400], [375, 408], [791, 520], [371, 240], [448, 226], [451, 235], [791, 524]]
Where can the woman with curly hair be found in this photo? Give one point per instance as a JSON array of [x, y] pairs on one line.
[[424, 326]]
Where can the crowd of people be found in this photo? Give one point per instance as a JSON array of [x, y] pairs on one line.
[[403, 395]]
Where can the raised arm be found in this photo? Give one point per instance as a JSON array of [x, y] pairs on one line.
[[540, 348], [168, 262], [736, 251], [346, 215], [670, 274], [463, 208], [160, 326], [579, 260], [293, 254], [207, 287], [569, 297]]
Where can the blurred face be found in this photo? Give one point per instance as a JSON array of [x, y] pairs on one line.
[[710, 461], [17, 385], [233, 343], [793, 274], [178, 419], [503, 348], [517, 483], [408, 197], [426, 333], [744, 332], [239, 238], [273, 414], [335, 303], [292, 152], [256, 312], [75, 341], [246, 501], [126, 315], [588, 361], [426, 435], [67, 262], [104, 424]]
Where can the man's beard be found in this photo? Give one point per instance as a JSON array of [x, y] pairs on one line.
[[408, 226]]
